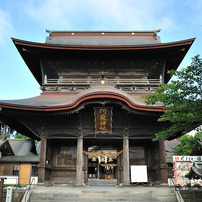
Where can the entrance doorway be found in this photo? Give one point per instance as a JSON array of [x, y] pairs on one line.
[[102, 170], [102, 174], [102, 164]]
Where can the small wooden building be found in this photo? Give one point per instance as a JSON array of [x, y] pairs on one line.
[[18, 161], [91, 108]]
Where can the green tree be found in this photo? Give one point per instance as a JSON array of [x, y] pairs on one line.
[[182, 100], [187, 144], [19, 136]]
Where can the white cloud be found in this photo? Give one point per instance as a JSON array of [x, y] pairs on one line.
[[100, 15], [6, 27]]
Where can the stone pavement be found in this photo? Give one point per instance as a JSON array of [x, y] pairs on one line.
[[61, 193]]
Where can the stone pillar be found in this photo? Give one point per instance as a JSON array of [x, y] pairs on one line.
[[163, 165], [79, 162], [126, 166], [42, 164]]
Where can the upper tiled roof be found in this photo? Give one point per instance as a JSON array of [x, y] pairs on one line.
[[103, 38]]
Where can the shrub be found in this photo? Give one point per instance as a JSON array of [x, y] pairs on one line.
[[197, 185], [178, 186], [188, 185]]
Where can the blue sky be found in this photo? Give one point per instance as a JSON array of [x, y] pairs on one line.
[[28, 19]]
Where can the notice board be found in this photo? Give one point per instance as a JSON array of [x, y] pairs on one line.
[[139, 173], [182, 166]]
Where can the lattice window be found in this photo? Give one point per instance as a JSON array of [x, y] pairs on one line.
[[16, 169], [34, 171]]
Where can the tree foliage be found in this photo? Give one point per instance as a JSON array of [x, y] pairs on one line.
[[19, 136], [182, 100], [187, 144]]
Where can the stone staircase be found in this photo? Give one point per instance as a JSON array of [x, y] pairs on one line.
[[102, 193]]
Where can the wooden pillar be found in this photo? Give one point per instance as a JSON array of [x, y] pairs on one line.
[[119, 170], [148, 161], [42, 164], [1, 188], [126, 166], [79, 162], [85, 169], [98, 171], [9, 132], [163, 165], [4, 129]]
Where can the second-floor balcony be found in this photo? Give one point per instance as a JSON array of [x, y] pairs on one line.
[[86, 81]]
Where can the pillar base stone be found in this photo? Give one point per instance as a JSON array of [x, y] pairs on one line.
[[164, 184], [80, 185], [41, 184]]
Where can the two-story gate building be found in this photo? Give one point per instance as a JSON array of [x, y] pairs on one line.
[[90, 116]]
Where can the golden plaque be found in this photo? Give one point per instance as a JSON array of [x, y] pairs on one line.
[[103, 120]]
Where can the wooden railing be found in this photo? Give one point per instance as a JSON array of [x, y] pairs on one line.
[[90, 81]]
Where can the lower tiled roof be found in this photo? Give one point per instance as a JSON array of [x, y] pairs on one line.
[[61, 101], [20, 159]]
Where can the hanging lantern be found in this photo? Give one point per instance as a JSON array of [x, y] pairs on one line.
[[94, 159], [110, 159], [102, 160]]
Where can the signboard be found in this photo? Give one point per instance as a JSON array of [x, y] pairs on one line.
[[181, 167], [103, 120], [187, 158], [139, 173], [9, 194]]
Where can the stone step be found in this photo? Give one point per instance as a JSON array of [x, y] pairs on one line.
[[146, 197], [103, 194]]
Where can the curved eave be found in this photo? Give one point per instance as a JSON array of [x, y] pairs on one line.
[[90, 96], [19, 42], [30, 52]]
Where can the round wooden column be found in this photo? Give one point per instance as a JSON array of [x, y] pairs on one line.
[[42, 164], [163, 165], [126, 166], [119, 169], [79, 162]]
